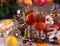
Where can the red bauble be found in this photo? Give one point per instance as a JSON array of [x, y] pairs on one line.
[[57, 24], [40, 2]]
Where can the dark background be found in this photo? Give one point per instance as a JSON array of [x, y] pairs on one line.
[[57, 1]]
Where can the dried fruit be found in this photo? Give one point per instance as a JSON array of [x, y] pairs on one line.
[[30, 19], [41, 44], [27, 2], [39, 26]]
